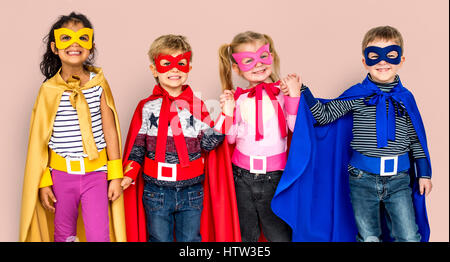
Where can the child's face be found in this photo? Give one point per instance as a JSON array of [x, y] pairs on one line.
[[74, 55], [261, 72], [174, 78], [383, 72]]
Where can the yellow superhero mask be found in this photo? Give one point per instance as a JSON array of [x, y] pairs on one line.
[[64, 37]]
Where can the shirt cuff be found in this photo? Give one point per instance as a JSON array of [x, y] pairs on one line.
[[291, 104], [46, 179], [303, 88], [310, 99], [422, 168], [223, 123]]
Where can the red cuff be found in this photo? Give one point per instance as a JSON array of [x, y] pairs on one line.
[[223, 123], [131, 169]]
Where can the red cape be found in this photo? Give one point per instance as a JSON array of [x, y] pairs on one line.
[[219, 220]]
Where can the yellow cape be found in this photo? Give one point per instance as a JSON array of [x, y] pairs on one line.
[[36, 224]]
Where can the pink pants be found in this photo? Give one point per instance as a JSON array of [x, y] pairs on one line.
[[91, 190]]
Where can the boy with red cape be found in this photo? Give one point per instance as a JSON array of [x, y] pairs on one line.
[[171, 123]]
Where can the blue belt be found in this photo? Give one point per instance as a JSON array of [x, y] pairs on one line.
[[384, 166]]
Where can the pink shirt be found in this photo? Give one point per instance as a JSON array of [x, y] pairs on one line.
[[242, 132]]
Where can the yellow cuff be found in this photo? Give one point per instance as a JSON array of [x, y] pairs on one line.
[[46, 179], [115, 169]]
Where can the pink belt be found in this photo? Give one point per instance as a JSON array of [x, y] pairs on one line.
[[259, 164]]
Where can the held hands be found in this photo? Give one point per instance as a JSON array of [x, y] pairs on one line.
[[131, 167], [227, 102], [425, 186], [115, 189], [291, 85], [126, 182]]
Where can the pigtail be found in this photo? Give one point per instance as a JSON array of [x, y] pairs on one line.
[[275, 76], [225, 67]]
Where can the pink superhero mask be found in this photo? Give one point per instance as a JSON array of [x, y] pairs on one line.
[[174, 62], [247, 60]]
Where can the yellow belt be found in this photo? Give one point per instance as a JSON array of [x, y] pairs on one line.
[[78, 166]]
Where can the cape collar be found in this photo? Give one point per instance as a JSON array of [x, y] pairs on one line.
[[272, 91], [58, 82], [79, 103], [169, 115], [385, 118]]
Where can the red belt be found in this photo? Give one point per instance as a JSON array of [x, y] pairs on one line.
[[173, 172]]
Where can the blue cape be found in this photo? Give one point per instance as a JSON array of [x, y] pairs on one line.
[[313, 195]]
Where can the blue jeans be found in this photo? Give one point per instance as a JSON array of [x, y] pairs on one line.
[[368, 191], [169, 208]]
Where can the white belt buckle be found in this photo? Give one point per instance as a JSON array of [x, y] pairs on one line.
[[264, 164], [165, 178], [69, 165], [382, 165]]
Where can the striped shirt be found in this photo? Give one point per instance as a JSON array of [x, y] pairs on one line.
[[364, 125], [66, 138]]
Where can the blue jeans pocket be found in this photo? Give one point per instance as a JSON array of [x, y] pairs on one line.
[[196, 199], [153, 201]]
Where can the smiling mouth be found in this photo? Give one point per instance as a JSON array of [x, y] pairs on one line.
[[260, 71], [174, 77], [383, 69], [73, 53]]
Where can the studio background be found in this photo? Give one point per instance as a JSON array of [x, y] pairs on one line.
[[320, 40]]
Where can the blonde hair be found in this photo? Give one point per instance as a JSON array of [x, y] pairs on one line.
[[226, 59], [387, 33], [171, 42]]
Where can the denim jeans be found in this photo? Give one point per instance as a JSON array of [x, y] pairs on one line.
[[254, 194], [169, 208], [370, 192]]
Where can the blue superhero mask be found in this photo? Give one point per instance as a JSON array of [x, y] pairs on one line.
[[383, 54]]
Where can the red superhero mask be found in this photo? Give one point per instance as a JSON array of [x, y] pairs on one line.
[[174, 62]]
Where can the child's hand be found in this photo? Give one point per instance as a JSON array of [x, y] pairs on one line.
[[284, 87], [45, 194], [227, 102], [126, 182], [425, 186], [115, 189], [291, 85]]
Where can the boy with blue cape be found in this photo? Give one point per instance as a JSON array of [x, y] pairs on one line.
[[360, 176]]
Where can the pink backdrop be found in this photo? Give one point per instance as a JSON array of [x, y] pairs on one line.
[[318, 39]]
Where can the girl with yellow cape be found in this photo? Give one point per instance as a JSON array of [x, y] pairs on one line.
[[69, 45]]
